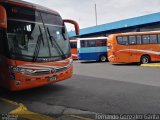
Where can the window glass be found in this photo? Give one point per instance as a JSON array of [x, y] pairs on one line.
[[153, 39], [145, 39], [52, 19], [125, 40], [84, 43], [132, 40], [91, 43], [33, 33], [104, 42], [25, 38], [22, 13], [56, 32], [101, 43], [73, 44], [24, 42], [120, 40], [139, 39], [159, 38]]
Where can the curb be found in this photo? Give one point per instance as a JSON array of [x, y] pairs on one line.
[[156, 65], [23, 112]]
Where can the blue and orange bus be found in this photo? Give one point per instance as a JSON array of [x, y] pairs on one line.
[[92, 49]]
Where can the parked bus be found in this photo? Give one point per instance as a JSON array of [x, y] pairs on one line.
[[74, 51], [143, 47], [92, 49], [34, 46]]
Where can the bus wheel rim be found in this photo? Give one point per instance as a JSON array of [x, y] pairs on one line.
[[103, 58], [145, 60]]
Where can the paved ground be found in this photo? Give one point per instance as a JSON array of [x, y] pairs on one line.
[[6, 107], [96, 88]]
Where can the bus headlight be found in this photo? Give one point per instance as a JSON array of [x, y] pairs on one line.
[[20, 70]]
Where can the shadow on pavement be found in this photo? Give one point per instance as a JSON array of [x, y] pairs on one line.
[[126, 64], [32, 93], [91, 62]]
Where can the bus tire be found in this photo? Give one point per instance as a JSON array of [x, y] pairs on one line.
[[103, 58], [145, 59]]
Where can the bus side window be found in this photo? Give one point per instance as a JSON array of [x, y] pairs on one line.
[[92, 43], [103, 42], [122, 40], [86, 43], [159, 38], [99, 43], [73, 45], [125, 40], [82, 43], [145, 39], [153, 39], [132, 40], [139, 39]]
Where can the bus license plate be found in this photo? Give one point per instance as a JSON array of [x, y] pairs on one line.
[[52, 78]]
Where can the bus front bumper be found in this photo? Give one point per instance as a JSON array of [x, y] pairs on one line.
[[27, 81]]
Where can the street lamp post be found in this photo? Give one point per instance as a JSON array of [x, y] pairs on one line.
[[96, 13]]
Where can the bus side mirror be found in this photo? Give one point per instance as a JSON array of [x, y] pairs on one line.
[[3, 17], [74, 23]]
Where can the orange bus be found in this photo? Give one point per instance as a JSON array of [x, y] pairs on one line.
[[74, 50], [34, 46], [143, 47]]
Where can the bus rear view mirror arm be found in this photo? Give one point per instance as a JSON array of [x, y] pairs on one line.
[[3, 18], [75, 25]]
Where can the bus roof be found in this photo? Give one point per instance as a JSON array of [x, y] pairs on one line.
[[93, 38], [136, 33], [29, 5]]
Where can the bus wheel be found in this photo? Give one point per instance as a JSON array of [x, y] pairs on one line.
[[103, 58], [145, 59]]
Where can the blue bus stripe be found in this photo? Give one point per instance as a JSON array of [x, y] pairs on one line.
[[92, 49], [91, 56]]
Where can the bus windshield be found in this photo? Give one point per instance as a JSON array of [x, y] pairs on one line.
[[29, 36]]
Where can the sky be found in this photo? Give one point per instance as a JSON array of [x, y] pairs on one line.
[[83, 11]]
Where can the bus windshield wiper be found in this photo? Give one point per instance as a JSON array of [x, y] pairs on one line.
[[38, 44], [55, 44]]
